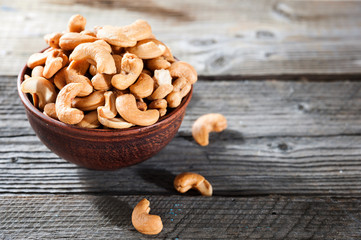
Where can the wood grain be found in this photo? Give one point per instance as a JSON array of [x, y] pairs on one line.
[[109, 217], [289, 138], [249, 38]]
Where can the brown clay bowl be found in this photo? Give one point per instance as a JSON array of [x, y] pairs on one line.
[[103, 149]]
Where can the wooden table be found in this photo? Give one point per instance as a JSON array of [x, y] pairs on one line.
[[284, 73]]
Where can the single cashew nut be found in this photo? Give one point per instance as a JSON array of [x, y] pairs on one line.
[[161, 105], [71, 40], [131, 68], [101, 81], [81, 67], [66, 76], [37, 71], [90, 120], [54, 62], [89, 103], [148, 49], [141, 105], [157, 63], [181, 88], [108, 110], [76, 23], [143, 87], [163, 82], [184, 70], [89, 33], [52, 39], [42, 87], [37, 59], [212, 122], [117, 123], [188, 180], [93, 70], [63, 108], [127, 108], [49, 110], [143, 221], [33, 95], [96, 53]]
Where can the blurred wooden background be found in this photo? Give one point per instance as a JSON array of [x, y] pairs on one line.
[[284, 73]]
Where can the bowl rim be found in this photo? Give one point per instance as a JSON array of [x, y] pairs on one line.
[[87, 131]]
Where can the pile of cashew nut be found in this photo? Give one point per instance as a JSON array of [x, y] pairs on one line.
[[108, 77]]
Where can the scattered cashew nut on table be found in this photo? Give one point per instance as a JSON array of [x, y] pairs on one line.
[[144, 222], [188, 180], [212, 122]]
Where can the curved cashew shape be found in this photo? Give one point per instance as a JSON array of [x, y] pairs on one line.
[[161, 105], [118, 123], [108, 110], [143, 221], [54, 62], [89, 33], [143, 87], [37, 59], [37, 71], [63, 108], [44, 90], [181, 88], [90, 120], [184, 70], [188, 180], [66, 76], [49, 110], [158, 63], [126, 36], [102, 81], [164, 85], [148, 49], [131, 68], [71, 40], [91, 102], [127, 108], [52, 39], [81, 67], [212, 122], [76, 23], [96, 53]]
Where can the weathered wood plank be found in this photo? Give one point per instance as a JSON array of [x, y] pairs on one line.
[[253, 38], [291, 138], [109, 217]]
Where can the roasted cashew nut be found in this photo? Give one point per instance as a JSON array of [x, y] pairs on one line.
[[148, 49], [90, 120], [108, 110], [54, 62], [71, 40], [183, 70], [49, 110], [63, 108], [163, 82], [127, 108], [143, 221], [37, 59], [101, 81], [37, 71], [188, 180], [161, 105], [52, 39], [131, 68], [89, 103], [76, 23], [81, 67], [96, 53], [157, 63], [66, 76], [212, 122], [93, 70], [117, 123], [181, 88], [143, 87], [141, 105], [43, 88]]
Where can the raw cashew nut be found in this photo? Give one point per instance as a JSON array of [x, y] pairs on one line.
[[71, 40], [63, 108], [52, 39], [44, 90], [66, 76], [76, 23], [89, 103], [131, 68], [90, 120], [184, 70], [81, 67], [118, 123], [143, 221], [54, 62], [102, 81], [163, 82], [108, 110], [212, 122], [148, 49], [49, 110], [188, 180], [181, 88], [96, 53], [37, 71], [143, 87], [127, 108], [161, 105], [126, 36]]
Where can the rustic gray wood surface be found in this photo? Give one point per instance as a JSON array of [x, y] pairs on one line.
[[287, 167]]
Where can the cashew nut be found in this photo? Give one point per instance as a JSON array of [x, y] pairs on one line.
[[131, 68], [54, 62], [127, 108], [71, 40], [118, 123], [66, 76], [102, 81], [89, 103], [96, 53], [52, 39], [37, 71], [157, 63], [108, 110], [118, 62], [89, 33], [126, 36], [148, 49], [184, 70], [37, 59], [63, 108], [93, 70], [141, 105], [212, 122], [181, 88], [76, 23], [163, 84], [143, 87], [161, 105], [42, 87], [143, 221], [81, 67], [49, 110], [188, 180], [90, 120]]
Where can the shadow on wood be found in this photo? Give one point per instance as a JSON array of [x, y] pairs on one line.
[[160, 177]]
